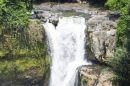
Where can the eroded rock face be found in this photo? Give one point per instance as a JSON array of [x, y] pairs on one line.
[[101, 36], [92, 76]]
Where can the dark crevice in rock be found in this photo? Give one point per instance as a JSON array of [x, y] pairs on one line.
[[114, 15]]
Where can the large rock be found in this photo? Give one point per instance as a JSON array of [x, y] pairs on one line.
[[46, 15], [94, 76], [101, 36]]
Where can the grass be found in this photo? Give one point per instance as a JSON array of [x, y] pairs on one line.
[[23, 62], [21, 65]]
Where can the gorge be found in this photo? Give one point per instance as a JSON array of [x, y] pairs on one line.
[[63, 44]]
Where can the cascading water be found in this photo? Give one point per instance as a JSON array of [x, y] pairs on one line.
[[66, 42]]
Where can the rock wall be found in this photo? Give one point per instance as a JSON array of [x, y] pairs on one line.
[[101, 37]]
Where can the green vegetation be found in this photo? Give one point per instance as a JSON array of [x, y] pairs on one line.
[[13, 14], [23, 48], [121, 61], [21, 55]]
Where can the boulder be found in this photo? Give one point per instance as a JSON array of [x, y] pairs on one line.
[[101, 37], [94, 76], [47, 15]]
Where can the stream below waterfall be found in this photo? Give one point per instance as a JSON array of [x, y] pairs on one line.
[[67, 49]]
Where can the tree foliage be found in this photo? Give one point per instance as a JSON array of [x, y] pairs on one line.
[[19, 54], [13, 21], [121, 61], [13, 13]]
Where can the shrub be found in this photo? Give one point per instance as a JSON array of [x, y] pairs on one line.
[[121, 61]]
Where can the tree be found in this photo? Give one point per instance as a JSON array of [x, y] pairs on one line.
[[13, 22], [13, 13], [121, 61]]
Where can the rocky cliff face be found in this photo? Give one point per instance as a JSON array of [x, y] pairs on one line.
[[101, 37]]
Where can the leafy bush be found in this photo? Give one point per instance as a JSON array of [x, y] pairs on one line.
[[17, 55], [121, 61], [13, 14]]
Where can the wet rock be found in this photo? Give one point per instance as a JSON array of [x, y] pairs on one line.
[[44, 15], [54, 20], [47, 15], [101, 37]]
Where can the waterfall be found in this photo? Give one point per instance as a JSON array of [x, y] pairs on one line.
[[66, 42]]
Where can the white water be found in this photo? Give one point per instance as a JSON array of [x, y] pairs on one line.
[[66, 42]]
